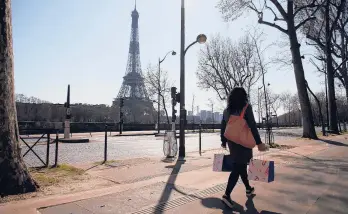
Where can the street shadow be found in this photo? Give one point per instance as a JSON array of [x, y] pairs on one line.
[[170, 185], [335, 143], [94, 166], [216, 203]]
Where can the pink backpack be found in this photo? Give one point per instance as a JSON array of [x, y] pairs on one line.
[[238, 131]]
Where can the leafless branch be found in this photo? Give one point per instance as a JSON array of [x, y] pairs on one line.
[[275, 15], [273, 25], [304, 7], [280, 8], [304, 22]]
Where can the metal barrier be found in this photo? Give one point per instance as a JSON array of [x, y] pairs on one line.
[[31, 149], [42, 133], [200, 140], [106, 144]]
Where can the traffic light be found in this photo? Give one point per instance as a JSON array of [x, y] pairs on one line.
[[173, 92], [175, 96], [121, 102], [174, 114], [175, 99]]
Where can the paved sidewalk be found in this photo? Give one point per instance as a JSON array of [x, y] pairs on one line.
[[310, 178]]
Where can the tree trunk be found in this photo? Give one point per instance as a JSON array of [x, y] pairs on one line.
[[347, 90], [165, 109], [306, 111], [330, 74], [14, 176], [344, 53]]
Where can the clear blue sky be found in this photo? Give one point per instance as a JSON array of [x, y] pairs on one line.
[[85, 44]]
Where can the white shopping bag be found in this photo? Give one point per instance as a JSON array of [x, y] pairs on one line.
[[218, 161], [261, 170]]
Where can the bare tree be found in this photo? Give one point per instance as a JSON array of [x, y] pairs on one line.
[[315, 30], [152, 77], [224, 65], [285, 13], [285, 99], [274, 103], [322, 32], [14, 176], [21, 98]]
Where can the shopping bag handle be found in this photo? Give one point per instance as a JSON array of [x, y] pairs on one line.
[[223, 150]]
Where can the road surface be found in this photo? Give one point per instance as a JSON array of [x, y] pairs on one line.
[[122, 147]]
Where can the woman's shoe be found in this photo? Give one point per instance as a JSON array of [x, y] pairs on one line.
[[227, 200], [250, 192]]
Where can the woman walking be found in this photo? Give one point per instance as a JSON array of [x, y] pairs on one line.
[[240, 155]]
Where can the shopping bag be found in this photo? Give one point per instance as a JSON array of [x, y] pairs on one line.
[[261, 170], [218, 161], [222, 163], [238, 131]]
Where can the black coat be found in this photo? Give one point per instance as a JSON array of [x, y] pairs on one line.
[[240, 154]]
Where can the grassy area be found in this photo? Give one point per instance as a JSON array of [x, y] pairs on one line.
[[274, 146], [52, 176], [277, 146]]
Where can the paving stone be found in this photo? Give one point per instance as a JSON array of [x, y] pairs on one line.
[[70, 208], [125, 202]]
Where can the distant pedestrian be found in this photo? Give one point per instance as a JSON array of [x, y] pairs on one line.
[[240, 155]]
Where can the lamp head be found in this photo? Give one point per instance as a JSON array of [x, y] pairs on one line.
[[201, 38], [173, 53]]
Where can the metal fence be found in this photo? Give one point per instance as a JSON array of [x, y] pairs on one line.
[[42, 134]]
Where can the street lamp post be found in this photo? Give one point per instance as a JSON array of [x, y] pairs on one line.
[[200, 39], [159, 89], [269, 133], [259, 105]]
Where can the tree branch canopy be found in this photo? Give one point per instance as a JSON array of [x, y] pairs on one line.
[[304, 22], [224, 65]]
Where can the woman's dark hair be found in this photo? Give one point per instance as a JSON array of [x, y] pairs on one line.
[[237, 99]]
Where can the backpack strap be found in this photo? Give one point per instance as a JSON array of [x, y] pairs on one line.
[[243, 111]]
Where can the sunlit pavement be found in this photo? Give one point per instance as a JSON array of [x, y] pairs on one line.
[[310, 178]]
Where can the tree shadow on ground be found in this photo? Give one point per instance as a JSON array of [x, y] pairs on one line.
[[216, 203], [160, 207], [335, 143]]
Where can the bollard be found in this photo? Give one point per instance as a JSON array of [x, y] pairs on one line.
[[48, 150], [200, 139], [106, 143], [121, 127], [56, 155]]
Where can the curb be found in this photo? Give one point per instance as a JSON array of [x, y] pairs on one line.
[[74, 140]]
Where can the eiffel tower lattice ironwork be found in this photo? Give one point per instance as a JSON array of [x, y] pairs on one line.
[[138, 108], [133, 82]]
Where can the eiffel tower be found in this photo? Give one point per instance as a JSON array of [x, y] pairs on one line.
[[138, 108]]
